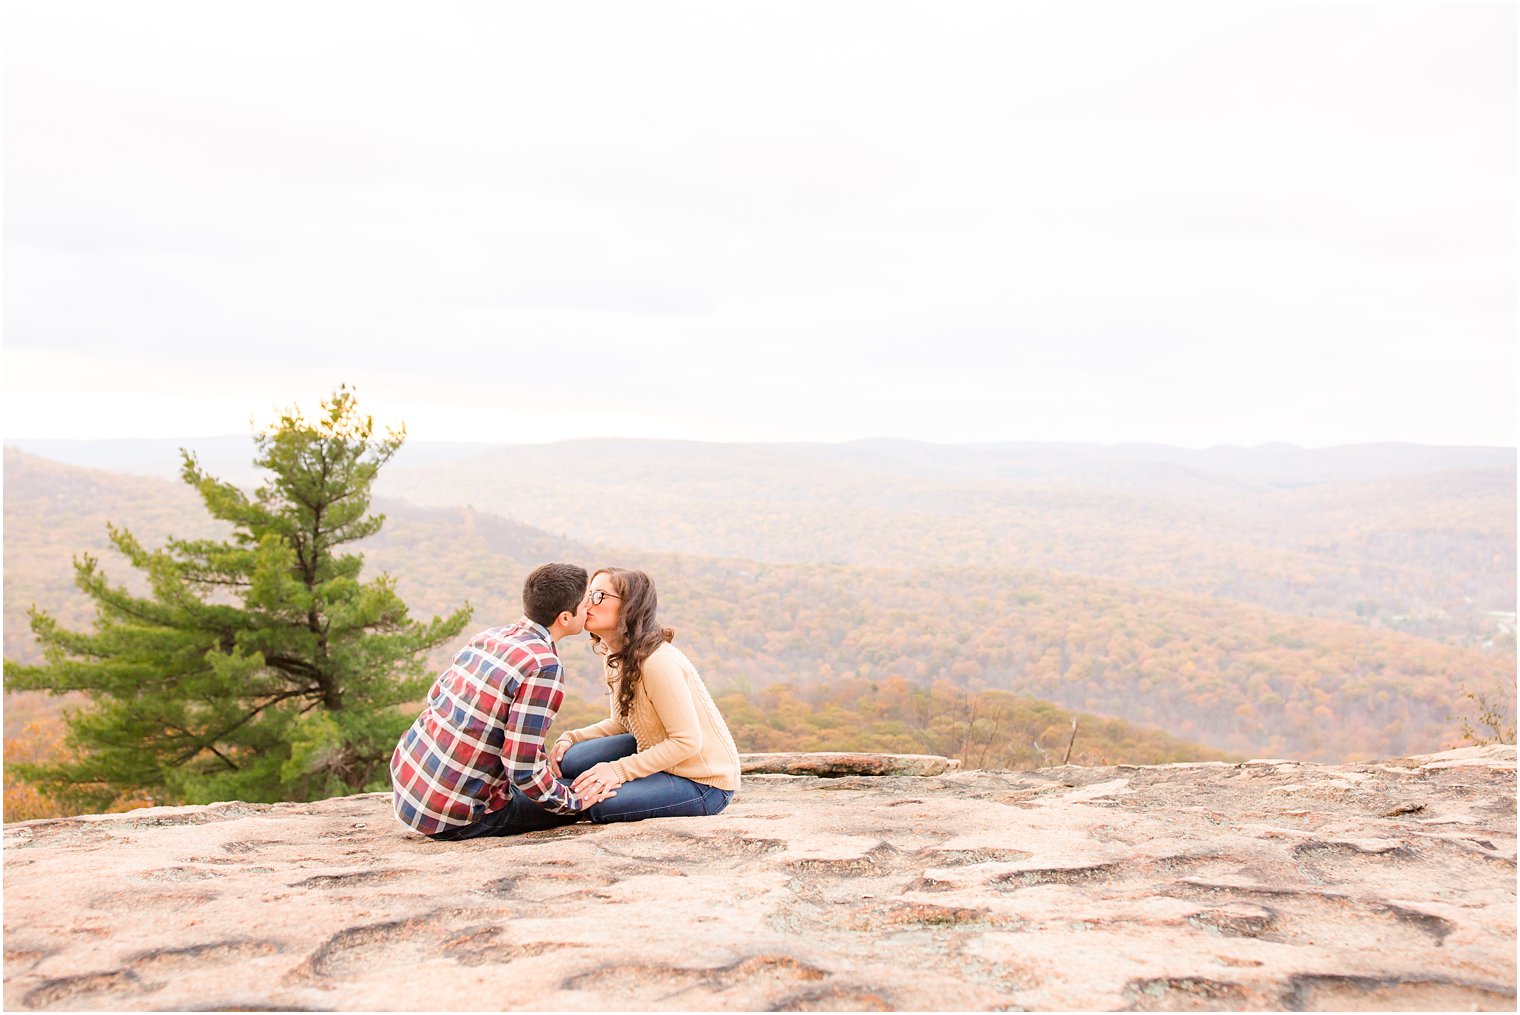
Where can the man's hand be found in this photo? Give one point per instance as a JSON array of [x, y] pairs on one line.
[[555, 754], [597, 781]]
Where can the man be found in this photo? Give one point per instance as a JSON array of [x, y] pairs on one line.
[[473, 763]]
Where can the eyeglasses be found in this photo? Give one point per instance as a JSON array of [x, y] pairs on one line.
[[595, 598]]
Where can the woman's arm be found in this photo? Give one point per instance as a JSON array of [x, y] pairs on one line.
[[664, 683], [608, 727]]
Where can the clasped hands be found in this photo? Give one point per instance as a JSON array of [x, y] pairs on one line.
[[597, 783]]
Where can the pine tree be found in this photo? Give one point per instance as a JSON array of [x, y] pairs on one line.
[[258, 668]]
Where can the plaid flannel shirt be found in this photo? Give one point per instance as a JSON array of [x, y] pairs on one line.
[[482, 733]]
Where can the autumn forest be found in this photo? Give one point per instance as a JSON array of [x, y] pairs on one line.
[[964, 600]]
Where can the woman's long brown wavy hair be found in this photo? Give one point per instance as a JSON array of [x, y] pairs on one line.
[[640, 633]]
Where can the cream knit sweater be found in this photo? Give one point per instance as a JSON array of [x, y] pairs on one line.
[[675, 722]]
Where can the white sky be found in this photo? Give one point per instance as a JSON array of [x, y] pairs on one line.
[[764, 221]]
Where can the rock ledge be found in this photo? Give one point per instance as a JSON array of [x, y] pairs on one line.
[[832, 764], [1258, 886]]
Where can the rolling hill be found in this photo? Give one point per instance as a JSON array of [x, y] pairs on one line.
[[1406, 538]]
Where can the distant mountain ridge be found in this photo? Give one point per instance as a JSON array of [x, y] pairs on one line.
[[227, 457], [1272, 464]]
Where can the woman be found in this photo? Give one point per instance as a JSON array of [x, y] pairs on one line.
[[664, 749]]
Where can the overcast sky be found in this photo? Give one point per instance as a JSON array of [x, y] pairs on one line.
[[764, 221]]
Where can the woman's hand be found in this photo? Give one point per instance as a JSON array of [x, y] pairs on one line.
[[555, 754], [598, 781], [592, 799]]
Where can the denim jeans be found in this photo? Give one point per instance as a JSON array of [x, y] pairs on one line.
[[660, 795]]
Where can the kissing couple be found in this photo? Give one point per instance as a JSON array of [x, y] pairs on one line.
[[474, 763]]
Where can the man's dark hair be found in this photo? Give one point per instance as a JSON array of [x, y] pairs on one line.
[[553, 589]]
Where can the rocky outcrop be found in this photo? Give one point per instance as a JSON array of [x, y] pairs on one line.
[[1264, 885], [832, 764]]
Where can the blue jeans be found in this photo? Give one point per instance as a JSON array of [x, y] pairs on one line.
[[660, 795]]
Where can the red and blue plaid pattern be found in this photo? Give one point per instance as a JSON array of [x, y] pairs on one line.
[[482, 732]]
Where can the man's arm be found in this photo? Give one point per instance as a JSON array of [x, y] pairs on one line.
[[522, 753]]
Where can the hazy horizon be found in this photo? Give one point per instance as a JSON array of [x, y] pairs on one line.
[[10, 440]]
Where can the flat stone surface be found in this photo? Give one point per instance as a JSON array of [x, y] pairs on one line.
[[1387, 886]]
